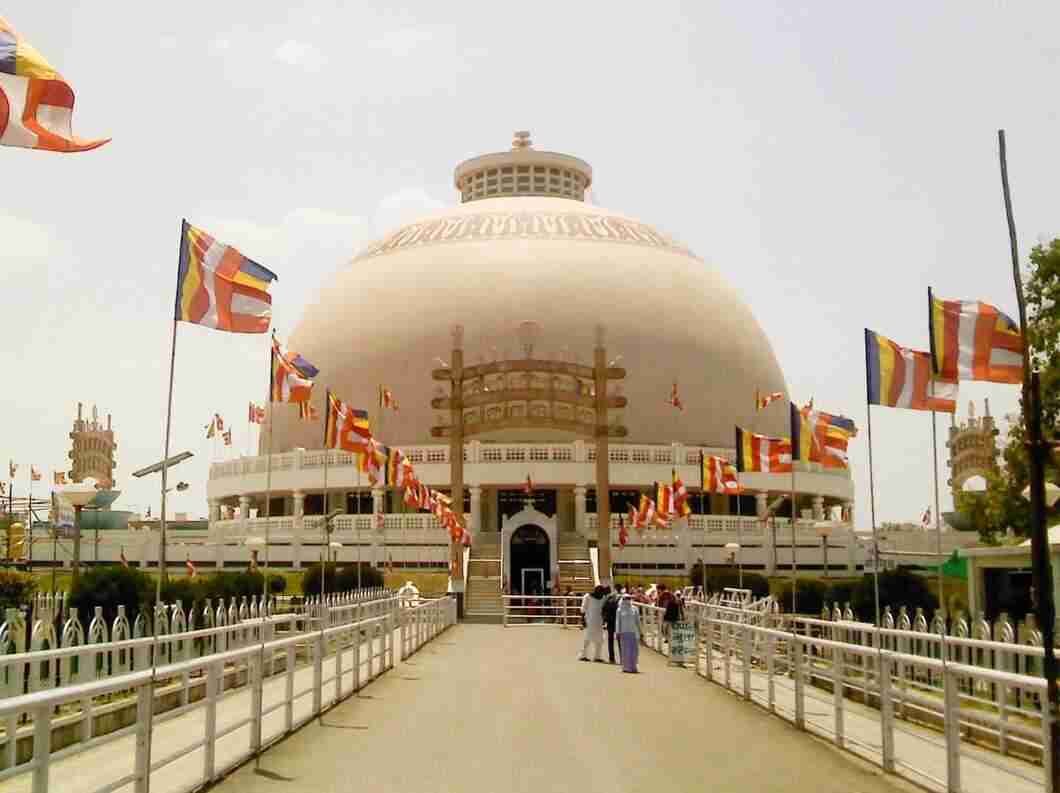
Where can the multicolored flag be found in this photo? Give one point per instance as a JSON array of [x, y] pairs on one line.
[[762, 454], [59, 477], [227, 437], [664, 500], [34, 474], [36, 103], [762, 400], [292, 375], [681, 506], [12, 469], [898, 377], [974, 341], [925, 521], [124, 561], [220, 288], [675, 400], [623, 534], [220, 422], [306, 411], [190, 566], [211, 428], [345, 427], [528, 486], [820, 437], [255, 414], [386, 399], [720, 476]]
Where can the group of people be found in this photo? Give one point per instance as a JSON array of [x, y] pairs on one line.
[[613, 611], [616, 612]]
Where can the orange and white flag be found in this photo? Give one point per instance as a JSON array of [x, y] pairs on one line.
[[36, 103]]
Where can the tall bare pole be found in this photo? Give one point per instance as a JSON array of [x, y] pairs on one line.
[[1036, 452], [456, 464], [603, 483], [875, 538]]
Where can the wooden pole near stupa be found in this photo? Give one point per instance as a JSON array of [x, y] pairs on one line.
[[603, 484]]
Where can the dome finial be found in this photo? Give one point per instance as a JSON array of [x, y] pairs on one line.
[[522, 140]]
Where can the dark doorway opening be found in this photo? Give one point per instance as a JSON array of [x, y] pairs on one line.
[[530, 561]]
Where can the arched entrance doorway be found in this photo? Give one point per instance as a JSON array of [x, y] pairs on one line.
[[530, 560]]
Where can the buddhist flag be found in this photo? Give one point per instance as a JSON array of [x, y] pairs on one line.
[[292, 375], [386, 399], [820, 437], [719, 476], [227, 436], [675, 399], [762, 400], [256, 414], [34, 474], [681, 507], [220, 422], [12, 469], [307, 412], [974, 341], [528, 487], [211, 428], [898, 377], [220, 288], [762, 454], [623, 535], [190, 566], [345, 427], [59, 477], [36, 103]]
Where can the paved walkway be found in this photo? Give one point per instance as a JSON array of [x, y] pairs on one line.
[[484, 708]]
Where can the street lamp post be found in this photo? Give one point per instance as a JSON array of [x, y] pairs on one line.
[[78, 496]]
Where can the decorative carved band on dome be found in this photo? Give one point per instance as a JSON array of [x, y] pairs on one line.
[[524, 225]]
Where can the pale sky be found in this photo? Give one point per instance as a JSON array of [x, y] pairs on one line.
[[832, 159]]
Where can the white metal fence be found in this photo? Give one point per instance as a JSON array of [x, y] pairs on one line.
[[917, 685], [262, 689], [564, 610]]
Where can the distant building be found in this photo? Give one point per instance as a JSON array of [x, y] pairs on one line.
[[973, 448], [92, 450]]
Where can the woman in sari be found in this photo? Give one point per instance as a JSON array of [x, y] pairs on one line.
[[627, 626]]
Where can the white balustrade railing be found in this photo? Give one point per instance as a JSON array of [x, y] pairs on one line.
[[478, 452], [968, 689], [342, 648]]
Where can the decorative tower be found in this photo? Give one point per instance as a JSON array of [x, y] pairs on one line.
[[93, 450], [973, 447]]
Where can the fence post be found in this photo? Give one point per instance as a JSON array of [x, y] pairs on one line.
[[42, 747], [209, 749], [357, 638], [953, 731], [318, 673], [144, 713], [883, 675], [771, 645], [255, 677], [746, 662], [709, 657], [837, 695], [796, 670]]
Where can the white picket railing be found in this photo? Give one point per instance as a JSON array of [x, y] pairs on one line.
[[357, 649]]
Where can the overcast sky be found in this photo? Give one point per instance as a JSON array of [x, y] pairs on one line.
[[833, 160]]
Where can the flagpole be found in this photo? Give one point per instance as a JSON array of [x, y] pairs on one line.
[[263, 606], [326, 543], [794, 512], [875, 538], [357, 527]]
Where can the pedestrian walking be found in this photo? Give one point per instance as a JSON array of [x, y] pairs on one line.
[[593, 619], [627, 625], [610, 612]]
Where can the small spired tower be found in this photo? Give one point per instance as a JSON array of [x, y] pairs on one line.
[[973, 447], [93, 450]]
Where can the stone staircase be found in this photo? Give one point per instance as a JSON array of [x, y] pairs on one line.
[[482, 595], [575, 566]]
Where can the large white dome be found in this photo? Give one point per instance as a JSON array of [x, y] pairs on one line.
[[493, 263]]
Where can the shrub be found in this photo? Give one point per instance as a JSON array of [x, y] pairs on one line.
[[229, 584], [188, 591], [277, 584], [897, 588], [16, 589], [340, 578], [110, 587], [809, 596]]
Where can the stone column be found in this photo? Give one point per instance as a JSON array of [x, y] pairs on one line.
[[818, 508], [603, 481], [298, 498], [476, 510], [244, 513], [579, 510], [216, 532], [761, 505]]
